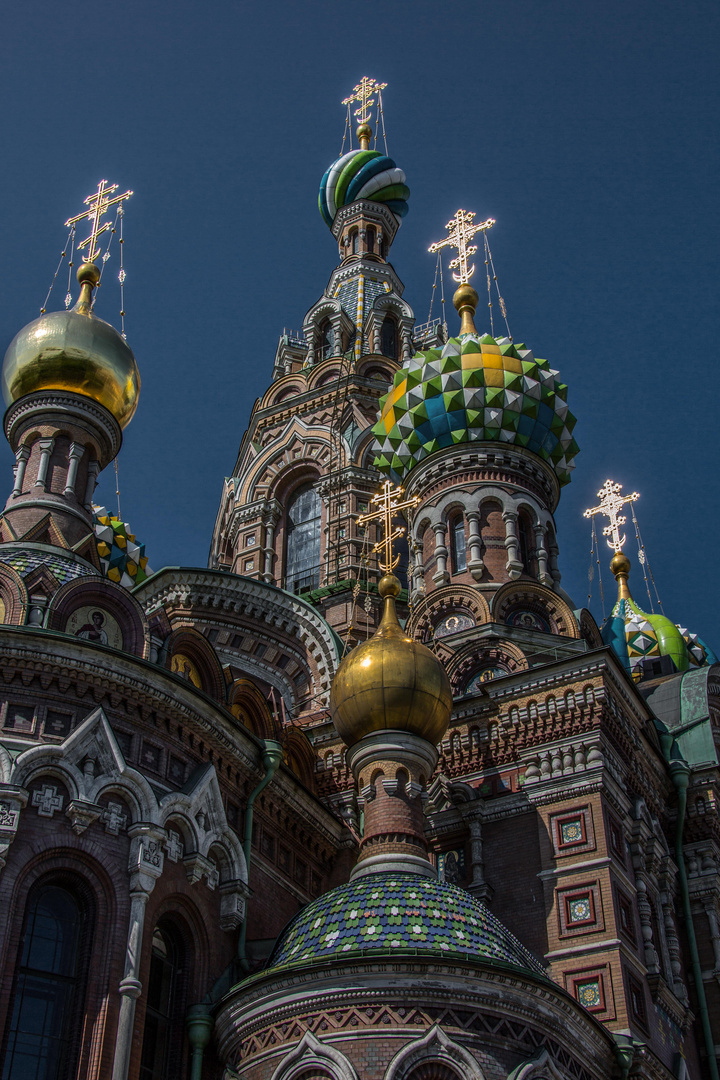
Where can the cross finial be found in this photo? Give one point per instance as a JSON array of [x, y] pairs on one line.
[[388, 503], [98, 205], [611, 502], [363, 93], [461, 230]]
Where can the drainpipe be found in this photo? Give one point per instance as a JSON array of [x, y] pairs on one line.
[[680, 774], [272, 756], [199, 1020]]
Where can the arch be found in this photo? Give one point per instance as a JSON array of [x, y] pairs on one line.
[[517, 596], [389, 337], [117, 607], [311, 1054], [51, 974], [435, 1049], [13, 597], [440, 604], [542, 1067], [302, 546], [294, 384], [191, 657], [503, 658], [299, 756], [249, 706], [164, 1042], [323, 372]]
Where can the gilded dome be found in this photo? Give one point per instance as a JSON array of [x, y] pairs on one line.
[[76, 352], [475, 389], [390, 683]]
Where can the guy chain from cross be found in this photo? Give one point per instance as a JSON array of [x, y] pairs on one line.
[[611, 502], [461, 230], [388, 502]]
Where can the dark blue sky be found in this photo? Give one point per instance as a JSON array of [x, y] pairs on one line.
[[589, 131]]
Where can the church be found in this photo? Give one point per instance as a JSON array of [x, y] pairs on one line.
[[369, 797]]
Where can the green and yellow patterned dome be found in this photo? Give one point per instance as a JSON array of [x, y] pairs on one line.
[[475, 389]]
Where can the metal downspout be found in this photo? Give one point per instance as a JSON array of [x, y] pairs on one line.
[[272, 756], [680, 774]]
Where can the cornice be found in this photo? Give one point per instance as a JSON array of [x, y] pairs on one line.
[[58, 405]]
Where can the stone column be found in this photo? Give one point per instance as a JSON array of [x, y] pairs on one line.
[[92, 475], [542, 557], [46, 449], [145, 866], [21, 460], [337, 338], [441, 575], [76, 452], [513, 565], [418, 578], [406, 336], [271, 516], [476, 564], [711, 912], [478, 886], [645, 913]]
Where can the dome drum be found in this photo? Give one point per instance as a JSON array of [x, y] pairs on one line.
[[57, 409]]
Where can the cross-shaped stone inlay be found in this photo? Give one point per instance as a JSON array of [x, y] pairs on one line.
[[174, 846], [114, 818], [47, 800]]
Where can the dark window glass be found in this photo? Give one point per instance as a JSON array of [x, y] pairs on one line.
[[163, 1036], [327, 340], [45, 1021], [525, 542], [459, 553], [303, 541], [388, 338], [355, 242], [371, 240]]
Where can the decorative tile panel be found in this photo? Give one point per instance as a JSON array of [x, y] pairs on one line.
[[572, 831]]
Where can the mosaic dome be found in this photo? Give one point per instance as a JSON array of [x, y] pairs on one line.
[[636, 636], [388, 912], [64, 568], [475, 389], [363, 174]]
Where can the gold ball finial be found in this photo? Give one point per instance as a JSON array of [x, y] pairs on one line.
[[466, 301], [364, 134], [90, 273], [389, 585], [620, 564]]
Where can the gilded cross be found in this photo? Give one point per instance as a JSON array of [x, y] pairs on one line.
[[363, 93], [611, 502], [388, 503], [461, 230], [98, 205]]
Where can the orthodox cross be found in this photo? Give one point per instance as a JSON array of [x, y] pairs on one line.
[[388, 502], [98, 205], [363, 93], [611, 502], [461, 230]]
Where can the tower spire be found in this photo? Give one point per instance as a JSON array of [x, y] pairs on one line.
[[363, 93], [461, 229]]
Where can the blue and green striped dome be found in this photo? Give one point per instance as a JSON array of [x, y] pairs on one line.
[[398, 913], [363, 174], [475, 389]]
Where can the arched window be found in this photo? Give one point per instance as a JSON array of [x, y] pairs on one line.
[[457, 543], [370, 240], [388, 338], [327, 340], [163, 1035], [526, 542], [355, 242], [48, 998], [303, 541]]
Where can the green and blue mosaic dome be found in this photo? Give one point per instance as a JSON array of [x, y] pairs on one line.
[[475, 389], [363, 174], [636, 636], [396, 913]]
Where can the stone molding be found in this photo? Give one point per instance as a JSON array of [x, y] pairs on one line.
[[434, 1048], [309, 1053], [55, 407]]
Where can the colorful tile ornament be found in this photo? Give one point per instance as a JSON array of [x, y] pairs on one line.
[[589, 994], [123, 560], [636, 636], [475, 389], [579, 910], [571, 832], [396, 913]]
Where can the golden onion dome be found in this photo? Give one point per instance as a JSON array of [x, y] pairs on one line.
[[390, 683], [76, 352]]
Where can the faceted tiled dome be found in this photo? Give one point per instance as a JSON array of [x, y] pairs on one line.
[[475, 389], [636, 636], [388, 912]]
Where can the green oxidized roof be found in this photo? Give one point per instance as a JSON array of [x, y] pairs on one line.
[[475, 389], [398, 913]]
